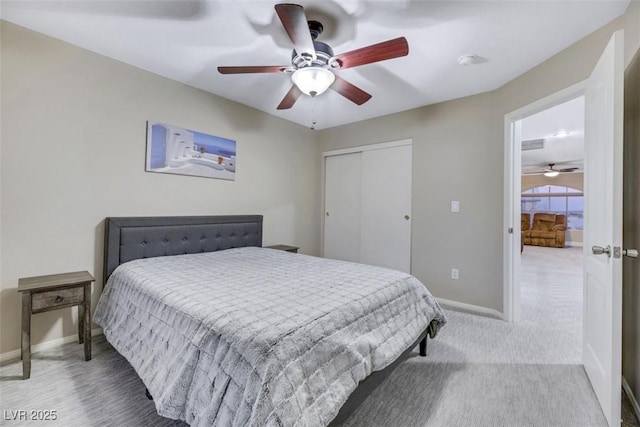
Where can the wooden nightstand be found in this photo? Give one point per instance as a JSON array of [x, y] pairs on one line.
[[286, 248], [45, 293]]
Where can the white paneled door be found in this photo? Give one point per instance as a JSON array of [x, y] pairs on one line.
[[342, 207], [386, 208], [602, 344], [368, 206]]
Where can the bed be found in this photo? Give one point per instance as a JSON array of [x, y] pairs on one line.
[[225, 332]]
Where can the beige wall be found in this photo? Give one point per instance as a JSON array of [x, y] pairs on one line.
[[631, 228], [73, 150], [632, 32], [452, 160], [458, 154], [574, 180]]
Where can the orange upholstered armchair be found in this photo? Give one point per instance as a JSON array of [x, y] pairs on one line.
[[547, 230], [525, 226]]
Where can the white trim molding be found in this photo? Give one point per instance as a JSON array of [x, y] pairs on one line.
[[368, 147], [470, 307], [15, 354], [512, 193], [574, 244], [631, 396]]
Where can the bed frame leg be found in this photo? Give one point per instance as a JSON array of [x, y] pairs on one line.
[[146, 391], [423, 347]]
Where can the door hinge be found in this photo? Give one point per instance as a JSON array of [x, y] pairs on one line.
[[510, 230]]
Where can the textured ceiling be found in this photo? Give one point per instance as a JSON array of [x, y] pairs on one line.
[[187, 40], [562, 128]]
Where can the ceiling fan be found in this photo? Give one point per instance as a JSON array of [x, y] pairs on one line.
[[551, 172], [313, 62]]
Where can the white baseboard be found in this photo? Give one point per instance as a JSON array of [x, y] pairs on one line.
[[574, 244], [15, 354], [632, 398], [470, 307]]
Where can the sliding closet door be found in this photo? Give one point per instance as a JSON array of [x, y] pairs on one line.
[[386, 208], [368, 207], [342, 207]]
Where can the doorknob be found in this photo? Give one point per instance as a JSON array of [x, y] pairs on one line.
[[599, 250], [406, 217], [326, 213], [631, 253]]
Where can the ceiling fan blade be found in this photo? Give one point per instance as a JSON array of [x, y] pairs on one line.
[[295, 24], [254, 69], [349, 91], [567, 169], [377, 52], [290, 98]]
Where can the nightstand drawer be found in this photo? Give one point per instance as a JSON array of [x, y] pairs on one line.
[[57, 298]]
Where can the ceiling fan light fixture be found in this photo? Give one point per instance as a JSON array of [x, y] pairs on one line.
[[313, 81], [551, 173]]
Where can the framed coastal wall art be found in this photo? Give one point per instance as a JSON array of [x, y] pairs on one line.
[[175, 150]]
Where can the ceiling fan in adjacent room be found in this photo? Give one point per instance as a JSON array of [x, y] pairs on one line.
[[551, 172], [313, 62]]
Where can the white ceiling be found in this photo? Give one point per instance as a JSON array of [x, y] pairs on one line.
[[562, 128], [185, 40]]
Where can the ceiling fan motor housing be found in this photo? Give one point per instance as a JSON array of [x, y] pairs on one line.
[[323, 54], [315, 28]]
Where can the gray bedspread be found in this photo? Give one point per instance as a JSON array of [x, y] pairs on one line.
[[259, 337]]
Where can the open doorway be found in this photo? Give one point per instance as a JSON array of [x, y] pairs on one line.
[[551, 218], [602, 272], [535, 164]]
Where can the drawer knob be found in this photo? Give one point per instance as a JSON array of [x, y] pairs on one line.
[[59, 299]]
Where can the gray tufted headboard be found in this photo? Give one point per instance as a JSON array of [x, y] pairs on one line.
[[129, 238]]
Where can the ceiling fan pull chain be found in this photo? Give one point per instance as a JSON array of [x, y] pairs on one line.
[[313, 113]]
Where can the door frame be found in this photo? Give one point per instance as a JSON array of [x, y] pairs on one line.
[[512, 190], [350, 150]]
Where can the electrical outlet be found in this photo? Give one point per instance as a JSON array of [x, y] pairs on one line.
[[454, 273]]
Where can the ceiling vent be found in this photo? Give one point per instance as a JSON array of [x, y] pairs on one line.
[[533, 144]]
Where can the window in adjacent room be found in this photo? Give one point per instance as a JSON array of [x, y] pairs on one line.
[[555, 199]]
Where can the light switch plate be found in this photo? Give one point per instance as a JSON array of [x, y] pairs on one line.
[[455, 206]]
